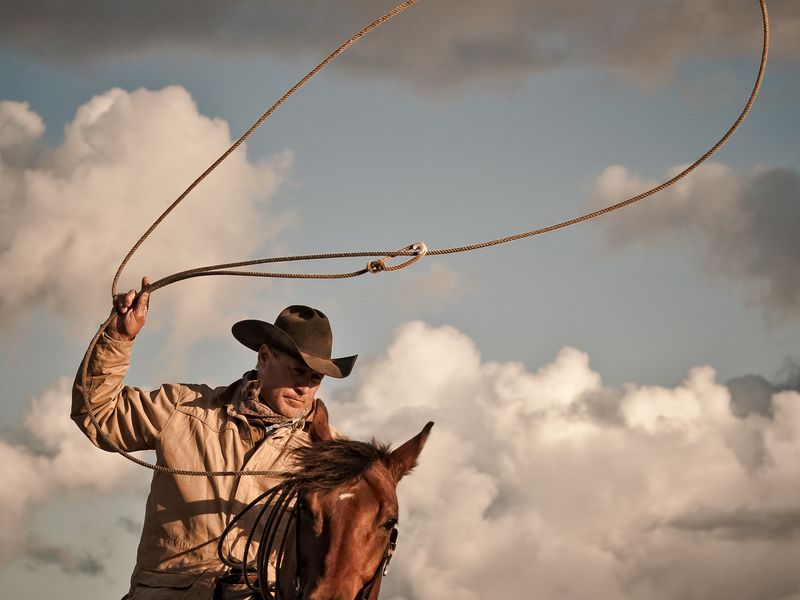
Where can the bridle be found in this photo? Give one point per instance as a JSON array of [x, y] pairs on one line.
[[277, 508], [382, 569]]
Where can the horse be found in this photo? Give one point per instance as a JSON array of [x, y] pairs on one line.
[[329, 529]]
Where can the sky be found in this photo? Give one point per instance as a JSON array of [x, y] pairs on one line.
[[619, 399]]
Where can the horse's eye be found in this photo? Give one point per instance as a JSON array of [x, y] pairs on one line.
[[389, 524]]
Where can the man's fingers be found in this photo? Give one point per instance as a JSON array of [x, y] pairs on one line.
[[143, 300], [142, 303], [124, 301]]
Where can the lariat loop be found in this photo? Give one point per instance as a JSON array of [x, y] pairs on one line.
[[415, 251]]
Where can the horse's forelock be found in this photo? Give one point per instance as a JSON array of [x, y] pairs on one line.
[[327, 465]]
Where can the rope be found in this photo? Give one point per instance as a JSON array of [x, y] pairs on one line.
[[115, 447], [376, 23], [415, 252]]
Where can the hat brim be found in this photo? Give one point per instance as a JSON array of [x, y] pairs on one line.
[[253, 333]]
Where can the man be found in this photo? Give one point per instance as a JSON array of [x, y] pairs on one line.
[[251, 424]]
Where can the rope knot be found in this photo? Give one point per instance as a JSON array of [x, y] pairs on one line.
[[416, 251], [376, 266]]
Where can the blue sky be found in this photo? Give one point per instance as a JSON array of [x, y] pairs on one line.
[[435, 131]]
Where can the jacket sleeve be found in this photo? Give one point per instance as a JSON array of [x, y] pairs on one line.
[[131, 417]]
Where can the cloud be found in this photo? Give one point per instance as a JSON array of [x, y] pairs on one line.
[[130, 525], [660, 493], [45, 461], [18, 125], [743, 524], [751, 394], [650, 492], [66, 559], [433, 45], [71, 214], [743, 225]]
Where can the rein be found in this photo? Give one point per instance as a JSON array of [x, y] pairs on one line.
[[278, 510]]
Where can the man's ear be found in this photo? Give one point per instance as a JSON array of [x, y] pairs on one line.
[[320, 431], [263, 355], [404, 458]]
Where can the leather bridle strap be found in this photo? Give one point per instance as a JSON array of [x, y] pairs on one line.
[[364, 593], [383, 567], [277, 505]]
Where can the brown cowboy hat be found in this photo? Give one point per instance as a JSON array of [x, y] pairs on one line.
[[302, 332]]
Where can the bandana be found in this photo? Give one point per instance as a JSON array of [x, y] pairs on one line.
[[248, 403]]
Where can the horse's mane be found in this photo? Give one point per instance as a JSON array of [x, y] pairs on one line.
[[327, 465]]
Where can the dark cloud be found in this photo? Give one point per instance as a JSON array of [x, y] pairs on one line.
[[436, 43], [602, 406], [751, 394], [768, 248], [744, 225], [744, 524], [789, 375], [67, 559], [132, 526], [755, 395]]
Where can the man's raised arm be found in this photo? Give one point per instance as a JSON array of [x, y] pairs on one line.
[[131, 417]]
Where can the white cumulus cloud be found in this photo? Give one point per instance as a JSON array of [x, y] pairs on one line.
[[73, 211], [44, 461], [540, 483], [18, 125], [548, 484]]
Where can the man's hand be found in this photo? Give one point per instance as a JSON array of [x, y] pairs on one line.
[[131, 313]]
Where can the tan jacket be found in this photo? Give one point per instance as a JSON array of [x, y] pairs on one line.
[[189, 427]]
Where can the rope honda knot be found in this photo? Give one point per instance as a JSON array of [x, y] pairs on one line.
[[416, 251]]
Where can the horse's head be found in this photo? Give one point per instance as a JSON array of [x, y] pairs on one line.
[[348, 511]]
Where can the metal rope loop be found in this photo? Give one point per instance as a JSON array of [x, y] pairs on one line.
[[419, 249]]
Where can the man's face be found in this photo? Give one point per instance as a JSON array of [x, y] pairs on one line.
[[288, 386]]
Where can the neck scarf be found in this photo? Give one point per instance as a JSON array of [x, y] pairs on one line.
[[248, 403]]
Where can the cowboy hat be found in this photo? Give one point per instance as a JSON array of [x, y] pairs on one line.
[[302, 332]]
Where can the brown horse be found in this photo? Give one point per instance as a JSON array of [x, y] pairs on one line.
[[328, 531]]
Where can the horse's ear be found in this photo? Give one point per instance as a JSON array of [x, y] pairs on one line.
[[320, 431], [404, 458]]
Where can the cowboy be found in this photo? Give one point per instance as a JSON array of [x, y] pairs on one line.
[[252, 424]]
